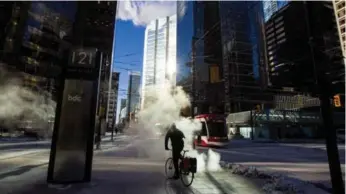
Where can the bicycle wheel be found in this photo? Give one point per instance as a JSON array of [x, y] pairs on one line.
[[169, 168], [186, 177]]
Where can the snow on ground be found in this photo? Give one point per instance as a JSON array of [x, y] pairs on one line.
[[304, 166], [274, 183]]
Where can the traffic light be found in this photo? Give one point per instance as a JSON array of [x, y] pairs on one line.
[[336, 99], [214, 74]]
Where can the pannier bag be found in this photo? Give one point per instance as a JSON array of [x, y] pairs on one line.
[[193, 165], [186, 164]]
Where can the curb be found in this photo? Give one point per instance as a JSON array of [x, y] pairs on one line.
[[274, 182]]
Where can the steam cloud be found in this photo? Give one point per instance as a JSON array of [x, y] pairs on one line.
[[18, 103], [164, 108]]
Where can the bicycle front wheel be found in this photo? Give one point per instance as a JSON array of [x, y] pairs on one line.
[[169, 168], [186, 177]]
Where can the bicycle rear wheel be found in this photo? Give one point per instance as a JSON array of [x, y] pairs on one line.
[[169, 168], [186, 177]]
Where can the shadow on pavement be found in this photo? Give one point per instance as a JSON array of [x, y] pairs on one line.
[[175, 187], [223, 188], [19, 171]]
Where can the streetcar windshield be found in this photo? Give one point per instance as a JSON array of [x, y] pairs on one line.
[[217, 129]]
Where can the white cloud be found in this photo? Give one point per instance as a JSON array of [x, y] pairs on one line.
[[142, 13]]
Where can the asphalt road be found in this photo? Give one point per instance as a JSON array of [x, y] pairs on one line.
[[134, 165]]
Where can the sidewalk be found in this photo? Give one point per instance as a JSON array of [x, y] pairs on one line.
[[134, 176]]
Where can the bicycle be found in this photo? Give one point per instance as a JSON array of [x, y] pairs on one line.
[[185, 169]]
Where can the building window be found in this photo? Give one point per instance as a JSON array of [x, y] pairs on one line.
[[280, 29], [341, 5]]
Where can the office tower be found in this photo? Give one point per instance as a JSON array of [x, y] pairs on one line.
[[290, 61], [133, 96], [35, 36], [340, 14], [94, 27], [208, 87], [123, 103], [113, 101], [159, 59], [33, 40], [243, 54]]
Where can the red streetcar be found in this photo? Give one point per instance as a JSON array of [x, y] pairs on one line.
[[214, 131]]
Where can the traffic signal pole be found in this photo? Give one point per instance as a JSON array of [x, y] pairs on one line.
[[325, 94]]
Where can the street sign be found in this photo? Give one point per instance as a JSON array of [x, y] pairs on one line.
[[72, 144]]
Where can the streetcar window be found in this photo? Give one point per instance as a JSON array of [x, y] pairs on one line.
[[204, 129]]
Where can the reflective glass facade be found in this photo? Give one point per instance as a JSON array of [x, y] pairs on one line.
[[270, 7], [36, 34], [208, 87], [243, 54], [159, 59], [133, 95]]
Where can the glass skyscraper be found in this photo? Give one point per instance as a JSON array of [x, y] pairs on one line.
[[270, 7], [133, 96], [159, 60], [243, 54]]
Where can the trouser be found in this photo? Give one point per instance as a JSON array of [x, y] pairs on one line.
[[176, 154]]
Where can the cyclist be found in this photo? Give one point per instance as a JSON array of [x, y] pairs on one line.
[[177, 142]]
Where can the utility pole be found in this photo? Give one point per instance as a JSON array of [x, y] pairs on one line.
[[324, 86], [193, 85]]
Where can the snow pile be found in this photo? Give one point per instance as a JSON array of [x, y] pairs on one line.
[[274, 183], [282, 184], [247, 171]]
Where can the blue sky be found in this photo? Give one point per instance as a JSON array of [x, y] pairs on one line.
[[132, 17], [128, 53], [128, 50]]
